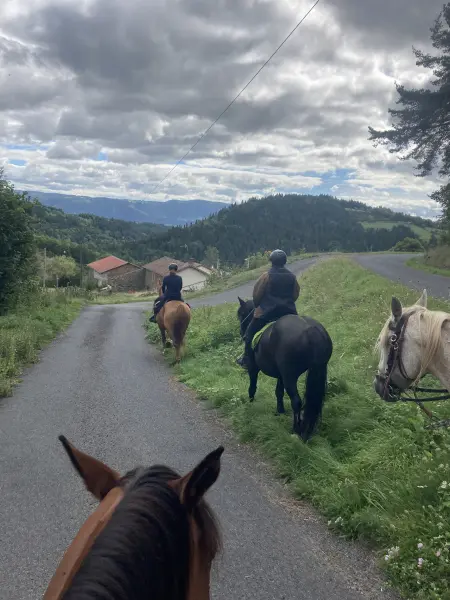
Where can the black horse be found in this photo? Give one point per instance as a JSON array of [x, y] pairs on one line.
[[287, 348]]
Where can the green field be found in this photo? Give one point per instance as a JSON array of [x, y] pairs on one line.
[[372, 468], [423, 232]]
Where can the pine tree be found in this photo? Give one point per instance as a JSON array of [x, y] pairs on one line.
[[422, 126]]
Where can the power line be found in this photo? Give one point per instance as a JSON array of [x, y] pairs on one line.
[[237, 96]]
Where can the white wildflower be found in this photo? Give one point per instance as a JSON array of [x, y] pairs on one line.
[[420, 545], [420, 562]]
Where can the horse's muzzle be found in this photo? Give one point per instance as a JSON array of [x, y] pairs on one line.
[[385, 390]]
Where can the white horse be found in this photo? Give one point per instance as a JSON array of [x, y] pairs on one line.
[[414, 341]]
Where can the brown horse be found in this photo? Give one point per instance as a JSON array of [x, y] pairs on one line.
[[152, 535], [173, 318]]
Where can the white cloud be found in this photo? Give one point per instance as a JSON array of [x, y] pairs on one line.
[[138, 81]]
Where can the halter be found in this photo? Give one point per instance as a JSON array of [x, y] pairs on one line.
[[393, 393], [79, 548]]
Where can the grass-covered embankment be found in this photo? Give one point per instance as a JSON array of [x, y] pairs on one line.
[[421, 265], [25, 330], [372, 468]]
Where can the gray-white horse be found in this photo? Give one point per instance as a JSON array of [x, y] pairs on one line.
[[414, 341]]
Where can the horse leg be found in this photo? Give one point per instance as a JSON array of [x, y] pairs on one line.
[[163, 336], [296, 403], [279, 391], [253, 374]]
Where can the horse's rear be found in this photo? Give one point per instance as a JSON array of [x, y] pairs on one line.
[[292, 346], [175, 318]]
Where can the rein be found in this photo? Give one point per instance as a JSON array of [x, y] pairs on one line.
[[250, 314], [395, 358]]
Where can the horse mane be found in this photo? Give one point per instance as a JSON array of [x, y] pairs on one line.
[[430, 326], [144, 550]]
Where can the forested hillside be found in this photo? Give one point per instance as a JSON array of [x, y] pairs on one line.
[[315, 223], [90, 236], [292, 222]]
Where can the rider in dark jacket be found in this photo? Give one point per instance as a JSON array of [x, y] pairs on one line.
[[274, 295], [171, 290]]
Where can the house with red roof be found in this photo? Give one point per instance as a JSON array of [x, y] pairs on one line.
[[120, 274]]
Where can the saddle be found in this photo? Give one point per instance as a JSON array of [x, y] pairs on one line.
[[257, 337]]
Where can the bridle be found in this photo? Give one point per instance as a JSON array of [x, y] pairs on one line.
[[391, 392]]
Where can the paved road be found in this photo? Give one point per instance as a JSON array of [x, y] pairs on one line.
[[393, 267], [110, 392]]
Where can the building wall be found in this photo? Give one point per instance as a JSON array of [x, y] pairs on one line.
[[126, 278], [193, 279], [151, 280]]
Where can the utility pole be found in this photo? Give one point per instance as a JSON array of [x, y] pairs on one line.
[[45, 267], [81, 266]]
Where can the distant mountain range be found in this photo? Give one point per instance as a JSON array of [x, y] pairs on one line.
[[172, 212]]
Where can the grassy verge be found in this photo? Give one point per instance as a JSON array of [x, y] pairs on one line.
[[372, 469], [24, 331], [421, 265]]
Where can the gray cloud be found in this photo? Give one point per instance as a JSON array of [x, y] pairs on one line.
[[140, 80], [395, 23]]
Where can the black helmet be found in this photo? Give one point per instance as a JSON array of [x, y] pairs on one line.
[[278, 258], [173, 267]]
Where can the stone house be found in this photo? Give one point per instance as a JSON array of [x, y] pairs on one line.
[[123, 276]]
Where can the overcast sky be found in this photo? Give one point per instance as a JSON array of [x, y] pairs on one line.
[[102, 97]]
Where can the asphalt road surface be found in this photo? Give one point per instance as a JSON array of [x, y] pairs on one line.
[[110, 392], [393, 267]]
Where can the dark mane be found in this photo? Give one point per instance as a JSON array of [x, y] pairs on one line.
[[144, 551]]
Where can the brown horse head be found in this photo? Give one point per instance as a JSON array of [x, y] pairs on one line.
[[152, 535]]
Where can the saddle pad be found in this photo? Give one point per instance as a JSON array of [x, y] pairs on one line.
[[258, 335]]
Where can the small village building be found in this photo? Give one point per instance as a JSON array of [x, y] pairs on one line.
[[121, 275], [195, 276]]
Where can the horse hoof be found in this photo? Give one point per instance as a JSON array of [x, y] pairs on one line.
[[251, 399]]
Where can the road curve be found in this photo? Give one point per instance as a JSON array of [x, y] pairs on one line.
[[393, 267], [110, 392]]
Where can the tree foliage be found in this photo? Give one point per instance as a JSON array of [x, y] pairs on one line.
[[88, 237], [421, 128], [17, 245], [292, 222], [408, 245], [54, 269], [240, 231]]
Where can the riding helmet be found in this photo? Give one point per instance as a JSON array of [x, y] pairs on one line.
[[278, 258], [173, 267]]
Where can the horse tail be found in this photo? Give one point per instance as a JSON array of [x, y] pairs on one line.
[[316, 385], [181, 319]]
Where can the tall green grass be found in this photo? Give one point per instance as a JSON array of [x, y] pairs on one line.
[[372, 468], [24, 331]]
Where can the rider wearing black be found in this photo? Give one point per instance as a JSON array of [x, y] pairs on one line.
[[172, 285], [274, 296]]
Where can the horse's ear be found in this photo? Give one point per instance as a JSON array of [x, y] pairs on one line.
[[98, 478], [396, 307], [241, 302], [422, 301], [195, 484]]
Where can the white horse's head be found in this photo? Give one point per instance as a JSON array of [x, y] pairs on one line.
[[407, 345]]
